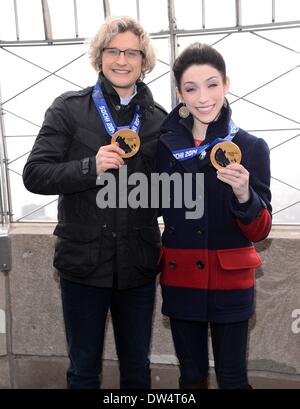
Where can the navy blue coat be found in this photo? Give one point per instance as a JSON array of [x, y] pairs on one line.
[[208, 263]]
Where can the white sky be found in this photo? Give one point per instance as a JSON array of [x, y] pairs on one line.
[[153, 15]]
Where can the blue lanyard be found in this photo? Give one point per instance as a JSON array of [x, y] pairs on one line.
[[188, 153], [106, 117]]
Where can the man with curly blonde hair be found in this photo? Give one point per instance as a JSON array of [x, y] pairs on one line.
[[106, 257]]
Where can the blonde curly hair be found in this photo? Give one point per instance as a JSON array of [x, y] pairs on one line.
[[110, 28]]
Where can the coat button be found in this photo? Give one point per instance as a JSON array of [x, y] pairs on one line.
[[200, 232], [118, 107], [171, 230], [172, 264], [200, 264]]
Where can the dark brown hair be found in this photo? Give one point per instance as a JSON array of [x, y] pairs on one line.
[[198, 54]]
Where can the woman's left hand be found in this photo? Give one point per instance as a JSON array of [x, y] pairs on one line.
[[237, 177]]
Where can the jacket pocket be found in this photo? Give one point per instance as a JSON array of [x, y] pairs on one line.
[[235, 281], [239, 259], [77, 249], [145, 247], [235, 268]]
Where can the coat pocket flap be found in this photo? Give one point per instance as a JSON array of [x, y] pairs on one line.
[[77, 232], [238, 259]]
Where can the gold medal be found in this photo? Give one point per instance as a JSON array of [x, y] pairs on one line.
[[224, 153], [128, 140]]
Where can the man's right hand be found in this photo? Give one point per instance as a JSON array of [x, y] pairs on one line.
[[109, 157]]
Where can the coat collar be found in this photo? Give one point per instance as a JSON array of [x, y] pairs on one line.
[[217, 129], [143, 97], [177, 134]]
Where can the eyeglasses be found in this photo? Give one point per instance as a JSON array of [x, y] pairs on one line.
[[129, 53]]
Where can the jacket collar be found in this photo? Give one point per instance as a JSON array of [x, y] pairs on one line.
[[217, 129], [177, 134], [143, 97]]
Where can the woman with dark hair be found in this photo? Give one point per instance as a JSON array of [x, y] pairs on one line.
[[208, 262]]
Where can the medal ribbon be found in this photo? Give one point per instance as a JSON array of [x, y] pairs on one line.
[[188, 153], [106, 117]]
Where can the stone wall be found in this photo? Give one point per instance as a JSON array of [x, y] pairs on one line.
[[32, 340]]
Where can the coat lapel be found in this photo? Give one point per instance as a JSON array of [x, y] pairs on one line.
[[179, 136], [175, 141]]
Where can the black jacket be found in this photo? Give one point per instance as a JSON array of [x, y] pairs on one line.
[[101, 247]]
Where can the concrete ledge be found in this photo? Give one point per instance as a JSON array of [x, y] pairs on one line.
[[273, 342], [291, 232], [166, 377], [39, 372], [35, 355], [5, 377], [49, 373], [32, 229], [37, 327]]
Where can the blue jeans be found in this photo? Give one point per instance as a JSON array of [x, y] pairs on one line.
[[85, 311], [229, 343]]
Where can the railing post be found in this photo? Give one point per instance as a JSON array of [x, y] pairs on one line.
[[173, 47], [5, 252]]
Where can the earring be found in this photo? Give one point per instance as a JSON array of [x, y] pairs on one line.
[[183, 112]]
